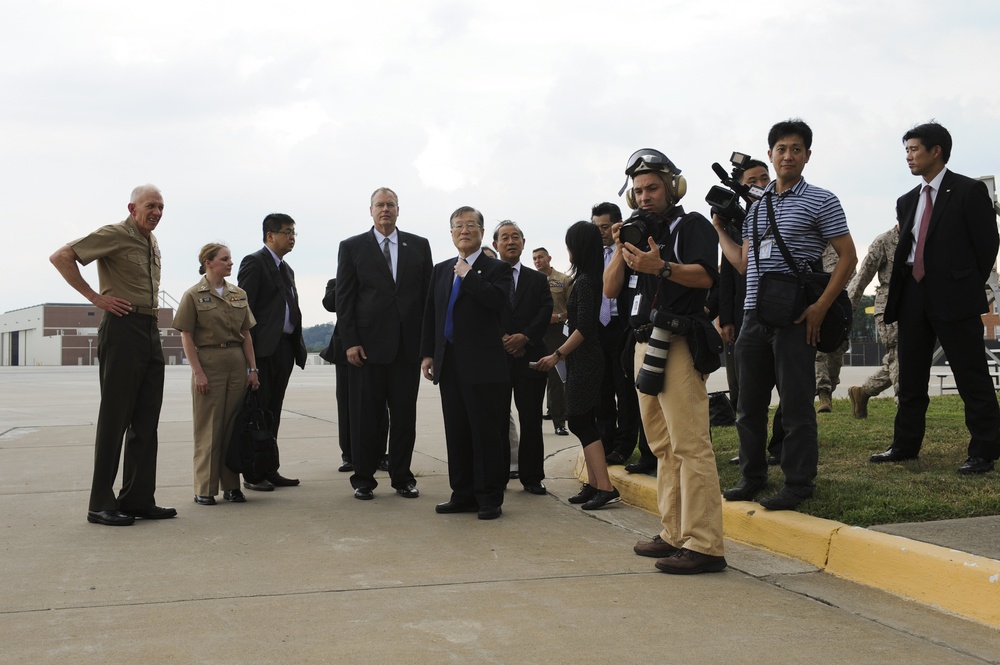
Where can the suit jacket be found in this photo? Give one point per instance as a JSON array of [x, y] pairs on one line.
[[334, 352], [959, 252], [375, 312], [260, 278], [530, 315], [482, 304]]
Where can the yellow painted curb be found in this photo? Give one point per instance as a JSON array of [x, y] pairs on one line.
[[963, 583], [946, 579], [784, 532]]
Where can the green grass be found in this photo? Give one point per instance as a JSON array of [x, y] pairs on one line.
[[850, 489]]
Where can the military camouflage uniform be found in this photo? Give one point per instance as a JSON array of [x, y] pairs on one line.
[[879, 261], [828, 364]]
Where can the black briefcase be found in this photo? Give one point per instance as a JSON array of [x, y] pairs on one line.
[[253, 450]]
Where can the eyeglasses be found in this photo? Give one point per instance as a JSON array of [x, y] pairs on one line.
[[468, 226], [288, 233]]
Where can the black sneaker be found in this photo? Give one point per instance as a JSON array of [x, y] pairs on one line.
[[587, 493], [602, 498]]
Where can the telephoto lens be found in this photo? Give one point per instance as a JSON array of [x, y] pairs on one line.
[[650, 380]]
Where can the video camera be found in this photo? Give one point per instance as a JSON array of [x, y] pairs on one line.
[[726, 202], [640, 225]]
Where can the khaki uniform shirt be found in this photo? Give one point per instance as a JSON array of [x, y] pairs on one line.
[[128, 264], [212, 319], [559, 286]]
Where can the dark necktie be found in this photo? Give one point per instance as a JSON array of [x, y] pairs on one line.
[[388, 256], [449, 322], [925, 221], [294, 315], [513, 288]]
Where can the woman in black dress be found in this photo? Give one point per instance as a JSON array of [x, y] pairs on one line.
[[585, 361]]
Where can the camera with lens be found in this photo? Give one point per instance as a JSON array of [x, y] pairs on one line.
[[637, 229], [725, 201], [665, 325]]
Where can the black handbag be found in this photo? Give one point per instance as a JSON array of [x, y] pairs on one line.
[[782, 297], [253, 450]]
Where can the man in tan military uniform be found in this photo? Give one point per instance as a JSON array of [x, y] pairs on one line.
[[130, 356], [559, 287], [878, 261]]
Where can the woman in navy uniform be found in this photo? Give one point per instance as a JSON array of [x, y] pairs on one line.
[[214, 319]]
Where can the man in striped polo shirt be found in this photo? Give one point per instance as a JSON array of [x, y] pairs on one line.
[[807, 218]]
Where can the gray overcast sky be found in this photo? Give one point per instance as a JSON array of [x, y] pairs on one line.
[[524, 109]]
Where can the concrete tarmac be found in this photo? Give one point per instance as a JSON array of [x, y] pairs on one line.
[[308, 574]]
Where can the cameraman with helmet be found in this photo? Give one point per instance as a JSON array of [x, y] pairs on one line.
[[667, 258]]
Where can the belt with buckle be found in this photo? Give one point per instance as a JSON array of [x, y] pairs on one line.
[[148, 311], [223, 345]]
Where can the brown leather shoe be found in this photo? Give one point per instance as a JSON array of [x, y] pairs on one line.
[[689, 562], [657, 548], [859, 400]]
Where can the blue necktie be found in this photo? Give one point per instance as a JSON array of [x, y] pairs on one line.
[[449, 322]]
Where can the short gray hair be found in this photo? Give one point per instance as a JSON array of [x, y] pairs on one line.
[[143, 189]]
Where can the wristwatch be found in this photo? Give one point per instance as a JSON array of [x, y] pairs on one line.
[[252, 370], [666, 271]]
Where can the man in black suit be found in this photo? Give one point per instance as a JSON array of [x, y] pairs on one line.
[[524, 341], [277, 338], [947, 246], [382, 278], [462, 349], [618, 412], [335, 354]]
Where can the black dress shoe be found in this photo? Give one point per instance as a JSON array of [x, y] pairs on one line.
[[109, 518], [735, 461], [772, 460], [615, 457], [535, 488], [514, 475], [489, 512], [976, 465], [449, 507], [642, 466], [891, 455], [279, 480], [562, 431], [346, 467], [383, 464], [204, 500], [786, 499], [234, 496], [262, 486], [745, 490], [364, 493], [408, 492], [154, 512]]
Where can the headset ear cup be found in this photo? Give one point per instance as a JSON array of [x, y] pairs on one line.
[[630, 198], [680, 187]]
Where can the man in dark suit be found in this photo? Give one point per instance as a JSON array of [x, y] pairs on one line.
[[524, 341], [382, 278], [277, 337], [618, 412], [335, 354], [947, 246], [462, 349]]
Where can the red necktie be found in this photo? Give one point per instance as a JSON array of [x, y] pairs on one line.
[[925, 221]]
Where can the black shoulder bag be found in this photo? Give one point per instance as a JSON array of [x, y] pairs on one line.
[[782, 297]]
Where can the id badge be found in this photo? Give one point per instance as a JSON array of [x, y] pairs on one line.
[[565, 330], [636, 302], [633, 281], [765, 248]]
